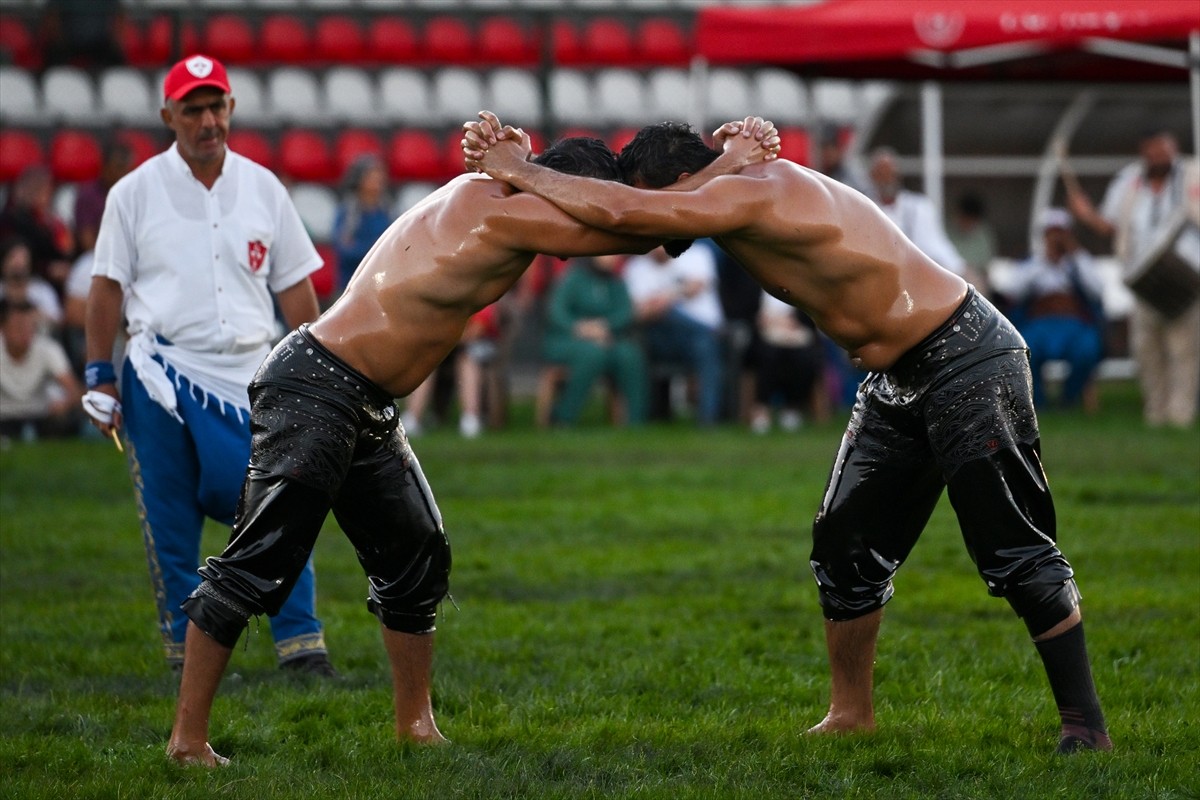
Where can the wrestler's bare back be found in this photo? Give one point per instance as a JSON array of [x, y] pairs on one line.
[[444, 259], [827, 249]]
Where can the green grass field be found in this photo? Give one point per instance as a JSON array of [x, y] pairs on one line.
[[634, 618]]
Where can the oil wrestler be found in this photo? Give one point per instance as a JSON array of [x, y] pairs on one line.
[[326, 435], [947, 404]]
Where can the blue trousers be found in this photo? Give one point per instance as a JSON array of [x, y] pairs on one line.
[[678, 337], [182, 474], [1068, 339]]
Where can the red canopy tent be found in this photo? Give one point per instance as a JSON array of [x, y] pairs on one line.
[[940, 40], [955, 38]]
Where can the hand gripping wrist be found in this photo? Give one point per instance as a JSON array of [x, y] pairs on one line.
[[99, 373]]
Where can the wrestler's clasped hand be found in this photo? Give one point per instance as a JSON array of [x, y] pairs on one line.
[[762, 131]]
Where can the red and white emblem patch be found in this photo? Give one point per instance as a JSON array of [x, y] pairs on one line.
[[258, 254]]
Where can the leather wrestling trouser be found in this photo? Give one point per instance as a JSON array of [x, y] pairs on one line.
[[325, 438], [956, 413]]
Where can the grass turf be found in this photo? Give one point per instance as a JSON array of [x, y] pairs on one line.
[[634, 618]]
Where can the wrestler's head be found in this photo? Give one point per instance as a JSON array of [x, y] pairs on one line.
[[662, 154], [583, 156]]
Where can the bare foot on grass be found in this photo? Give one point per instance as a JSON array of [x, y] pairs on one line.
[[421, 732], [842, 723], [195, 756]]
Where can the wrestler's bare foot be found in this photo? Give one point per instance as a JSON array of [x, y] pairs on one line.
[[192, 756], [422, 732], [843, 723]]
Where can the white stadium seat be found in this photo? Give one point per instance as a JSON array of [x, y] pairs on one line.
[[621, 97], [250, 105], [350, 95], [317, 206], [780, 96], [571, 97], [669, 94], [412, 193], [18, 96], [68, 95], [457, 95], [404, 95], [295, 96], [836, 100], [514, 94], [728, 96], [125, 95]]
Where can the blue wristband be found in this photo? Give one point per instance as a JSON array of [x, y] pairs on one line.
[[99, 373]]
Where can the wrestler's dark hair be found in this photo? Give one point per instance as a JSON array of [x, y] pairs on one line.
[[584, 156], [658, 155]]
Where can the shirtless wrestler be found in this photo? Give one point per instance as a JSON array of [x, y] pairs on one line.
[[947, 404], [326, 435]]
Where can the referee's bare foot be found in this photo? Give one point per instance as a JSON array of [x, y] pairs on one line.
[[843, 723], [202, 756]]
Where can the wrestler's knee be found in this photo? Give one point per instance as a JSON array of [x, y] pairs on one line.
[[406, 600], [219, 616], [1042, 604], [848, 587]]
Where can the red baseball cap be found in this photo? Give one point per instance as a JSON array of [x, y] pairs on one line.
[[192, 73]]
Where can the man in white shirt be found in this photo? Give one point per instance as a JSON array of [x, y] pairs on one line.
[[912, 212], [1155, 199], [195, 247], [676, 303]]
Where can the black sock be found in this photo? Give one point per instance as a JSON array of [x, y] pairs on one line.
[[1066, 662]]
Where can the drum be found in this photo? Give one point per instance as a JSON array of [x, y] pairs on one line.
[[1162, 278]]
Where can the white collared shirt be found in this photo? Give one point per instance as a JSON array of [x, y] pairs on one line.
[[1142, 214], [917, 219], [647, 277], [199, 265]]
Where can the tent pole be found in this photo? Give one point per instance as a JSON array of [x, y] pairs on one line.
[[931, 143], [1194, 67]]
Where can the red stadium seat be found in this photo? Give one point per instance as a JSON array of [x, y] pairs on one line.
[[253, 145], [133, 43], [565, 43], [572, 132], [230, 39], [18, 44], [74, 156], [391, 40], [339, 39], [620, 137], [284, 39], [304, 156], [323, 279], [607, 40], [448, 40], [158, 43], [18, 150], [142, 143], [794, 144], [415, 155], [503, 40], [352, 143], [661, 42]]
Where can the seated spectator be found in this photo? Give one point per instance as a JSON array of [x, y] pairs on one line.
[[790, 362], [589, 332], [1056, 305], [679, 313], [29, 214], [973, 237], [18, 284], [89, 200], [85, 33], [363, 214], [39, 394], [475, 352]]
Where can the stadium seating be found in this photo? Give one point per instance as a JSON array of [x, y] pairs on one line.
[[74, 156], [668, 93], [350, 95], [317, 206], [230, 39], [254, 146], [607, 41], [124, 95], [662, 42], [780, 96], [502, 40], [18, 45], [351, 143], [324, 280], [728, 96], [404, 96], [339, 39], [620, 96], [20, 100], [304, 156], [414, 155], [514, 94], [295, 96], [142, 143], [571, 97], [457, 95], [285, 39], [795, 144], [18, 150], [391, 40], [250, 102], [448, 40], [68, 95]]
